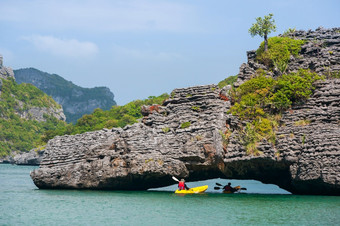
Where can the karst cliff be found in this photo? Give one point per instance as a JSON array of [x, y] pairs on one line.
[[184, 138]]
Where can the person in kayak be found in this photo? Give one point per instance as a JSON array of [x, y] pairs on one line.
[[229, 188], [182, 185]]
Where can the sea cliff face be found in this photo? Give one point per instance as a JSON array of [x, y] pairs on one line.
[[184, 138]]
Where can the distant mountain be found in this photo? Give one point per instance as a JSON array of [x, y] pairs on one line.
[[75, 100]]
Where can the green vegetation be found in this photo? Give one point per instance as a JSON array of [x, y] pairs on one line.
[[302, 122], [279, 51], [14, 95], [19, 134], [196, 108], [166, 129], [225, 138], [261, 100], [303, 139], [117, 116], [185, 125], [228, 81], [332, 75], [263, 27], [288, 32]]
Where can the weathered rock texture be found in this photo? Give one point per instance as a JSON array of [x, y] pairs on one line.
[[5, 72], [37, 113], [305, 159], [32, 157], [145, 154]]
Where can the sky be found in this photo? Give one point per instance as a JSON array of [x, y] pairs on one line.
[[142, 48]]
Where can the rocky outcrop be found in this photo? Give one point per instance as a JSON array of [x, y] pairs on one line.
[[32, 158], [306, 157], [76, 101], [147, 154], [185, 137], [6, 159], [37, 113], [180, 138], [5, 72], [320, 53]]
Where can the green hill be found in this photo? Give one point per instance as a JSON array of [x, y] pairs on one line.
[[75, 100], [25, 113]]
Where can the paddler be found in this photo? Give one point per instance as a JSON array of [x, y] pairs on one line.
[[182, 185], [228, 188]]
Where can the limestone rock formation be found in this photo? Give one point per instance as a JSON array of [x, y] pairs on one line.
[[32, 158], [185, 137], [181, 138], [37, 113], [5, 72], [306, 157]]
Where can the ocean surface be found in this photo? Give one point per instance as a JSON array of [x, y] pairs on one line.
[[22, 203]]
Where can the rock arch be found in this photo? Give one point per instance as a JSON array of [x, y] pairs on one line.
[[146, 155]]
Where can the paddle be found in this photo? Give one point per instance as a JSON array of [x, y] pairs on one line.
[[175, 179]]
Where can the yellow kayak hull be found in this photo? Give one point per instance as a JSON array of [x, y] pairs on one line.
[[194, 190]]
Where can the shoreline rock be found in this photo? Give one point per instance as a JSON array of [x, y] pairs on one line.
[[31, 158]]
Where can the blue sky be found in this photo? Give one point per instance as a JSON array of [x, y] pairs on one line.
[[140, 48]]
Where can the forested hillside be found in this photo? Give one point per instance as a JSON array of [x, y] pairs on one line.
[[25, 113], [75, 100]]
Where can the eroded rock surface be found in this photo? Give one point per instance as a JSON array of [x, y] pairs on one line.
[[184, 138], [306, 157], [148, 153], [5, 72], [180, 138], [32, 158]]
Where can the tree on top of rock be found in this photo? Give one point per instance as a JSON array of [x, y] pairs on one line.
[[263, 27]]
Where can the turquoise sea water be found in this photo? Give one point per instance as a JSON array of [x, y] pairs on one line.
[[21, 203]]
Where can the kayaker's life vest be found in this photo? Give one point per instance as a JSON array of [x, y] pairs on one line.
[[227, 188], [181, 185]]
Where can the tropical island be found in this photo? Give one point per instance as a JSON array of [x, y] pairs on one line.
[[276, 121]]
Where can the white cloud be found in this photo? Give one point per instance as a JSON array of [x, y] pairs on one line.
[[71, 48], [99, 15]]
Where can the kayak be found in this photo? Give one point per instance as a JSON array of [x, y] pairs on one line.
[[237, 188], [194, 190]]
